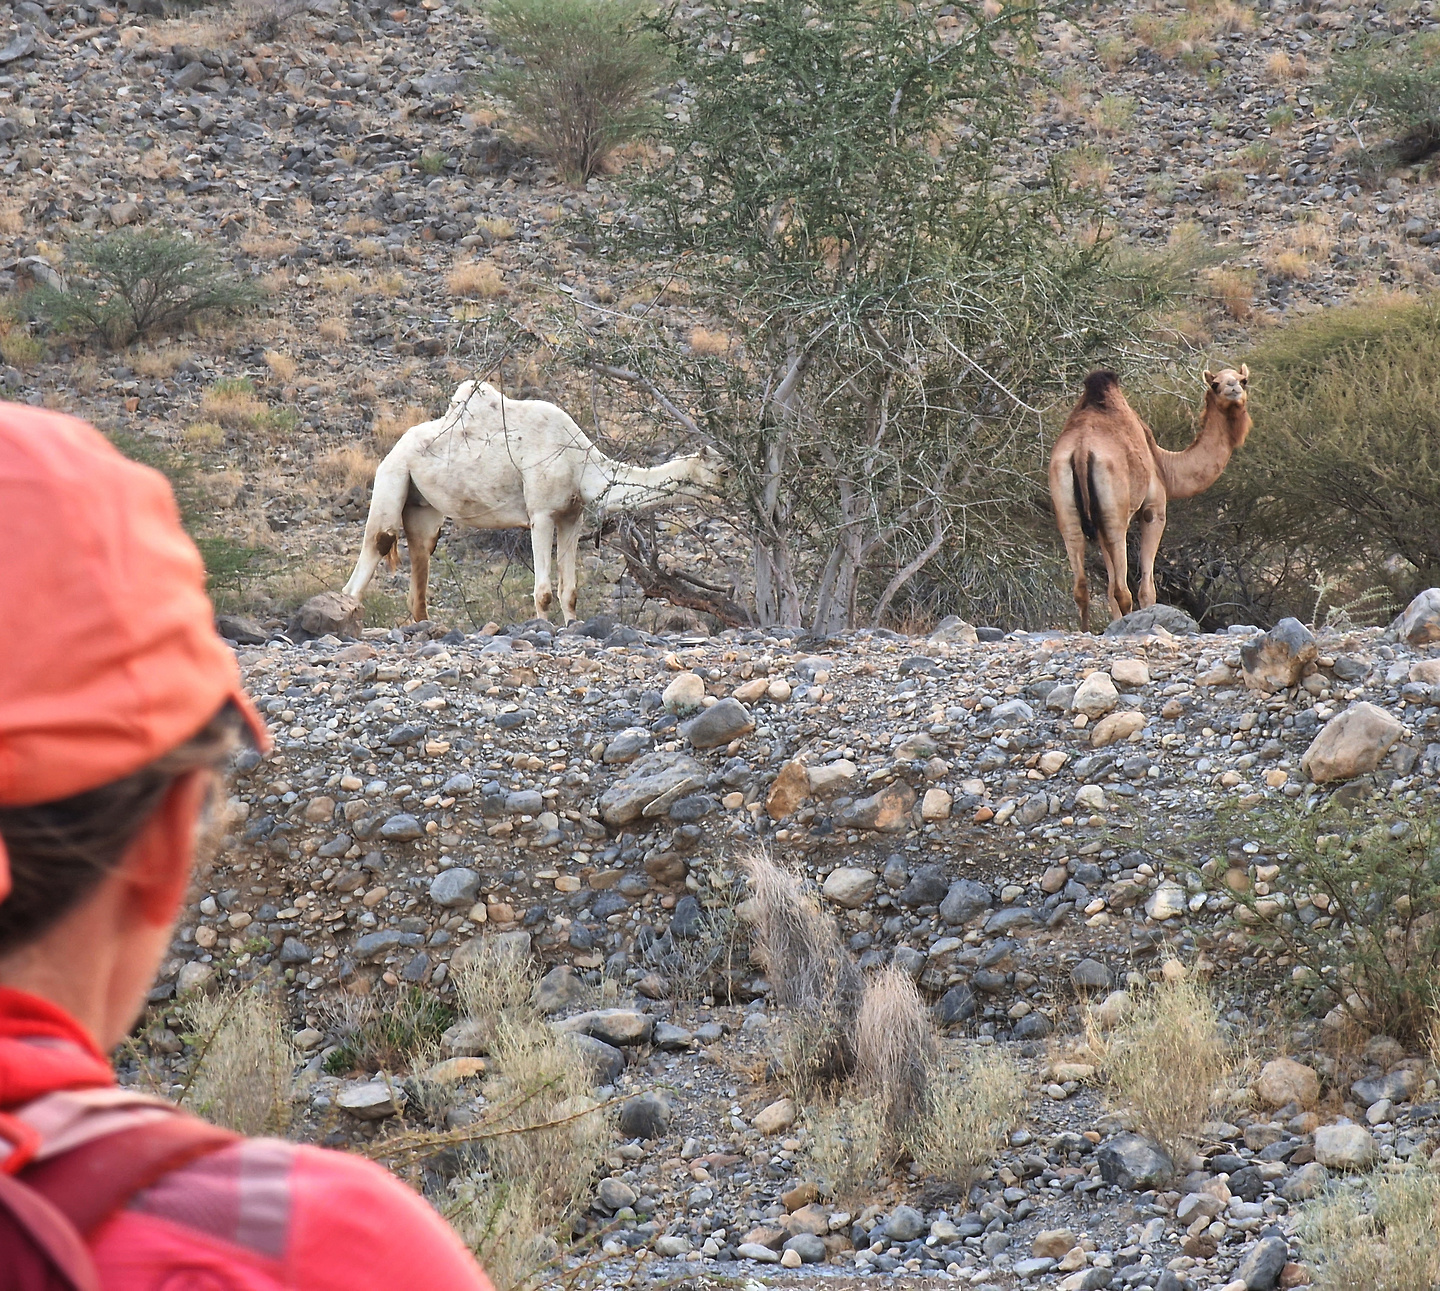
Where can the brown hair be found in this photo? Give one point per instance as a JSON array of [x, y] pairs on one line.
[[61, 850]]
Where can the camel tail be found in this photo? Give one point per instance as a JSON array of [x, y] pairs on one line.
[[1087, 498], [1098, 386]]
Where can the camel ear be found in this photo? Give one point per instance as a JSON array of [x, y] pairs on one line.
[[1244, 374], [1209, 378]]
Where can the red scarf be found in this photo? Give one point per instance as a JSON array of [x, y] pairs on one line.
[[43, 1049]]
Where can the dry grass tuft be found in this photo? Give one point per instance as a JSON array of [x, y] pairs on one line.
[[391, 423], [346, 468], [972, 1108], [847, 1146], [1088, 166], [267, 246], [336, 282], [356, 225], [502, 230], [1113, 52], [12, 220], [816, 983], [333, 329], [282, 367], [244, 1068], [476, 279], [710, 344], [204, 434], [158, 363], [234, 405], [1233, 290], [1166, 1060], [1292, 265], [21, 349], [895, 1047], [1376, 1233], [1285, 69], [390, 284]]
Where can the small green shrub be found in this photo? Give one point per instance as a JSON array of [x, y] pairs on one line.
[[589, 70], [433, 163], [1352, 905], [388, 1035], [1398, 84], [135, 283]]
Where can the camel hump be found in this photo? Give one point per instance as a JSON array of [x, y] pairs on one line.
[[1098, 387]]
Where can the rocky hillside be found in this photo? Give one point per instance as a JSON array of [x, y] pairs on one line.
[[1014, 821]]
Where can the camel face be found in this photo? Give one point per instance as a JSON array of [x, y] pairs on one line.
[[711, 469], [1229, 386]]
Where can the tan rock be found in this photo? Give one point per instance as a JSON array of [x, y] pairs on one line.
[[831, 778], [779, 690], [1283, 1081], [780, 1115], [1052, 1243], [1116, 727], [802, 1194], [453, 1070], [789, 790], [684, 695], [1095, 696], [319, 809], [809, 1218], [1427, 672], [1051, 761], [751, 691], [790, 1260], [1130, 672], [849, 887], [1351, 744], [935, 805], [1419, 623]]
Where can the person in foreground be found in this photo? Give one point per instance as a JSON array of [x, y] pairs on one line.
[[119, 706]]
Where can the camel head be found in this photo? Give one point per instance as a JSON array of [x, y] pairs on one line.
[[708, 471], [1230, 388]]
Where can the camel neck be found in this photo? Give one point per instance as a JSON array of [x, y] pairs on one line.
[[1196, 467], [618, 486]]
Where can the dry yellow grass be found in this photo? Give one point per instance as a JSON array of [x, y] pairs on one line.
[[336, 281], [1233, 290], [497, 227], [334, 329], [390, 284], [158, 363], [1286, 69], [370, 248], [204, 434], [362, 224], [973, 1106], [267, 246], [243, 1078], [391, 423], [1088, 166], [344, 468], [276, 282], [21, 350], [479, 279], [12, 220], [233, 404], [1165, 1061], [846, 1146], [282, 367], [1292, 265], [712, 344]]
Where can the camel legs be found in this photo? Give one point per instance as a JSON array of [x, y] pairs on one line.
[[542, 543], [1074, 540], [1152, 526], [1117, 591], [370, 558], [422, 532], [568, 551]]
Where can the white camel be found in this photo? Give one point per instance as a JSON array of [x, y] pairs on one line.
[[496, 463]]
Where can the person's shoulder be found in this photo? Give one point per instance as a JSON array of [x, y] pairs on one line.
[[354, 1225]]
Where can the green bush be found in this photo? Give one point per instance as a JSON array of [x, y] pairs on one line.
[[1340, 475], [1352, 908], [589, 70], [135, 283], [1398, 84]]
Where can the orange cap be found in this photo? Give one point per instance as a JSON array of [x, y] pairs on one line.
[[108, 651]]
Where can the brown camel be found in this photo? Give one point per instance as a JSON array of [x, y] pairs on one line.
[[1106, 466]]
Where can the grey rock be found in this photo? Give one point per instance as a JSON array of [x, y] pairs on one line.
[[614, 1026], [376, 945], [401, 828], [559, 989], [760, 1254], [458, 785], [455, 888], [670, 1037], [239, 629], [1345, 1147], [645, 1116], [405, 734], [371, 1100], [1134, 1163], [956, 1005], [1141, 623], [329, 613], [808, 1247], [651, 785], [1276, 659], [1260, 1269], [964, 900], [1032, 1267], [927, 886], [1398, 1087], [905, 1224], [1033, 1026], [1090, 975], [1011, 714], [628, 745], [1417, 625], [1307, 1183], [611, 1194], [17, 49], [604, 1061], [525, 802], [294, 951], [722, 722], [909, 960], [1008, 920]]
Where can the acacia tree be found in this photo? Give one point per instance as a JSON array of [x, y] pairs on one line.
[[833, 198]]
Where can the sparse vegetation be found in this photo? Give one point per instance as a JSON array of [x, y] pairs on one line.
[[1396, 84], [973, 1104], [479, 279], [388, 1034], [1376, 1233], [242, 1071], [589, 68], [138, 283], [1164, 1062]]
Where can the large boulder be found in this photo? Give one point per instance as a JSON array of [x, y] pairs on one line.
[[886, 812], [1283, 1081], [1419, 623], [328, 614], [1134, 1163], [1096, 695], [1153, 620], [650, 786], [1276, 659], [1260, 1269], [1350, 744], [722, 722], [1345, 1147]]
